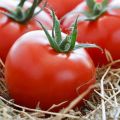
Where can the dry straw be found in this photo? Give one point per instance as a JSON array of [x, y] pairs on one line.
[[104, 104]]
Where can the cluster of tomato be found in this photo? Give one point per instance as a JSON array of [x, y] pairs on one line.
[[46, 66]]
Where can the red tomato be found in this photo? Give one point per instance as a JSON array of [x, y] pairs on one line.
[[35, 73], [10, 30], [61, 7], [104, 31]]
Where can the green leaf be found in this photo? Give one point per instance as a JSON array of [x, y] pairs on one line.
[[73, 36], [53, 34], [105, 3], [12, 16], [63, 43], [58, 36], [21, 16], [69, 43], [30, 11], [50, 39], [41, 9], [53, 29], [86, 13], [97, 9], [21, 3], [90, 4], [85, 45]]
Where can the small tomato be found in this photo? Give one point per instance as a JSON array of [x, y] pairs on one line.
[[14, 24]]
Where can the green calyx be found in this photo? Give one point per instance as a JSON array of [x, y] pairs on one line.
[[67, 44], [19, 14], [95, 9]]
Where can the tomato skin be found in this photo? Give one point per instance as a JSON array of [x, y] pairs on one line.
[[104, 32], [11, 30], [61, 7], [34, 72]]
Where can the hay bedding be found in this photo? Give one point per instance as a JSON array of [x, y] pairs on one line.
[[104, 104]]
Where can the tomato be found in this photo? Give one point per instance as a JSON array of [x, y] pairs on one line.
[[36, 73], [103, 31], [10, 30], [61, 7]]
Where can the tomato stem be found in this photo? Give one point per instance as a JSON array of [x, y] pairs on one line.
[[67, 44], [95, 9], [21, 3], [23, 16]]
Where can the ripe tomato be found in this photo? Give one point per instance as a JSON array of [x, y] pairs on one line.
[[36, 73], [10, 30], [103, 31], [61, 7]]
